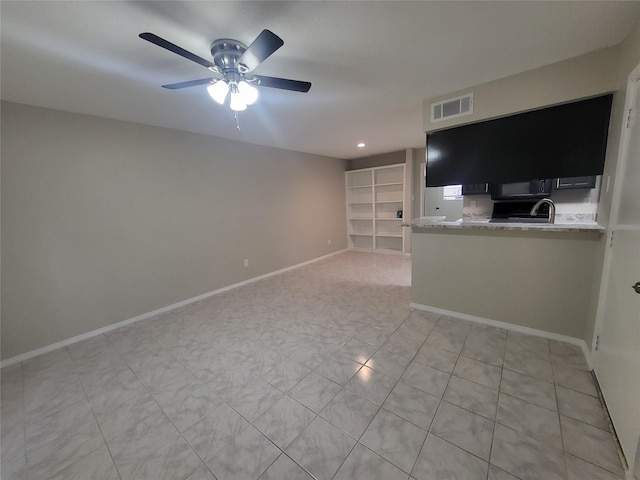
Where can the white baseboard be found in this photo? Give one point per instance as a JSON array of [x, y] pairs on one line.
[[70, 341], [510, 326]]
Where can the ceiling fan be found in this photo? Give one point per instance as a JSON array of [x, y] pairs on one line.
[[235, 62]]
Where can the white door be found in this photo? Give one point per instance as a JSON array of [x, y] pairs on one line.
[[618, 356]]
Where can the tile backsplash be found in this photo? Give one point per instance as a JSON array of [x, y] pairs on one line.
[[572, 206]]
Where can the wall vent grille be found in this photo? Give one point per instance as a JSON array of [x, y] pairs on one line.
[[452, 108]]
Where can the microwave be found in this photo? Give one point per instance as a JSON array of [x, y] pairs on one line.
[[521, 190]]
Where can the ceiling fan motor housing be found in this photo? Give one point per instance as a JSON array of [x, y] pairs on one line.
[[225, 53]]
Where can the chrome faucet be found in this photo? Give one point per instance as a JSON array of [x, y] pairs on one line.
[[552, 208]]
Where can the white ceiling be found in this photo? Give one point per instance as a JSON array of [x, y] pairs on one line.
[[371, 63]]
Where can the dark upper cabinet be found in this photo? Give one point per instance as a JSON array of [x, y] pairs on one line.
[[522, 146], [475, 189], [575, 182]]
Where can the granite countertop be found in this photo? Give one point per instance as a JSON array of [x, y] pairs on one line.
[[437, 222]]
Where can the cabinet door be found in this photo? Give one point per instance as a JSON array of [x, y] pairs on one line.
[[475, 189], [575, 182]]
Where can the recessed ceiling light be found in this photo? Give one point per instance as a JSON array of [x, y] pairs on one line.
[[361, 145]]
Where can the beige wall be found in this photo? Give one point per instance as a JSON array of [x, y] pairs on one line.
[[105, 220], [587, 75], [535, 280], [381, 160]]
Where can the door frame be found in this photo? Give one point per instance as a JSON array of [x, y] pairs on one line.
[[633, 90], [423, 185], [616, 196]]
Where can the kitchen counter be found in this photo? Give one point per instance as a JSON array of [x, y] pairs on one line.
[[539, 277], [437, 223]]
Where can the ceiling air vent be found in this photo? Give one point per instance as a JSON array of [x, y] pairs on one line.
[[452, 108]]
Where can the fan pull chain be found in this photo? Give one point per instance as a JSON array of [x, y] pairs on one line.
[[237, 121]]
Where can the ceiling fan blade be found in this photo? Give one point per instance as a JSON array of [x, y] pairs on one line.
[[161, 42], [191, 83], [283, 83], [262, 47]]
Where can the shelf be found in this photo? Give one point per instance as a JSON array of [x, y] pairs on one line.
[[388, 250], [388, 184], [389, 174], [376, 194], [388, 244], [361, 227], [361, 242], [359, 211], [361, 249], [359, 178]]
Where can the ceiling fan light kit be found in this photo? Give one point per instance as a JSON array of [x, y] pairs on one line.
[[218, 91], [242, 94], [234, 61], [248, 93]]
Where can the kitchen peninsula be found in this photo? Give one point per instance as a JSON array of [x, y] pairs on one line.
[[529, 276], [540, 278]]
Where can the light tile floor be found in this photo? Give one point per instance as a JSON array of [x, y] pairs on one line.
[[322, 372]]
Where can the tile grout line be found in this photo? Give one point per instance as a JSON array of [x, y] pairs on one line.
[[495, 420], [439, 402], [148, 392], [380, 407], [429, 432], [24, 418], [106, 444]]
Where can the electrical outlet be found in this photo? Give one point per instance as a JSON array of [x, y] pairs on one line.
[[474, 203], [329, 242], [246, 262]]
